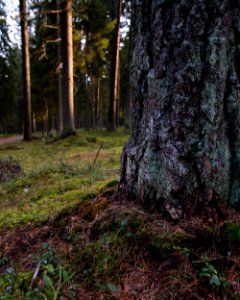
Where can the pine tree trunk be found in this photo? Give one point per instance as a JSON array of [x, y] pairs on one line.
[[67, 68], [115, 67], [185, 71], [26, 73], [97, 102], [93, 101], [59, 74]]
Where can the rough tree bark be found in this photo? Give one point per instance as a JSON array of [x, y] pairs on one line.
[[185, 72], [67, 68], [27, 135]]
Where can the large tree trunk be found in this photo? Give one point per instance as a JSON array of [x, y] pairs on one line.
[[185, 72], [67, 68], [115, 43], [26, 73]]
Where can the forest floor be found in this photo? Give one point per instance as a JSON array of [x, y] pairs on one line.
[[65, 233]]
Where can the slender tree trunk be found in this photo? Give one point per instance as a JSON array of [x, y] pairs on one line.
[[59, 75], [115, 67], [97, 103], [185, 74], [34, 122], [26, 73], [46, 117], [67, 69], [93, 100]]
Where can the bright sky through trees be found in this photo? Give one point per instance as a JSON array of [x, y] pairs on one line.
[[12, 8], [12, 20]]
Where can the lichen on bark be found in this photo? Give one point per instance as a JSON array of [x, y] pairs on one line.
[[185, 72]]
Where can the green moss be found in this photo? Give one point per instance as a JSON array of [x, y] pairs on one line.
[[56, 178], [117, 237], [163, 242], [100, 260]]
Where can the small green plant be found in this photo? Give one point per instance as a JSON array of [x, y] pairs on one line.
[[53, 281], [47, 255], [209, 271], [182, 250], [108, 286], [3, 260], [46, 283], [14, 285]]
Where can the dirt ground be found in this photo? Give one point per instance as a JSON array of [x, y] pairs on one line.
[[10, 140]]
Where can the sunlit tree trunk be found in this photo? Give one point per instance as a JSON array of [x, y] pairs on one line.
[[26, 73], [115, 43], [184, 153], [60, 110], [67, 69]]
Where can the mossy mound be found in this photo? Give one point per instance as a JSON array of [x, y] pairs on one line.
[[117, 250]]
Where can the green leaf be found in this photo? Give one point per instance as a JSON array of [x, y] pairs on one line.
[[66, 275], [124, 224], [111, 287], [44, 246], [101, 286], [48, 281], [50, 269], [129, 234], [215, 280], [212, 269], [205, 270], [202, 274]]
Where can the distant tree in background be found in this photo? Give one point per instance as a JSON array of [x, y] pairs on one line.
[[26, 72], [125, 105], [9, 79], [10, 98], [4, 37], [67, 68], [93, 27], [124, 114], [59, 74], [114, 73], [44, 60]]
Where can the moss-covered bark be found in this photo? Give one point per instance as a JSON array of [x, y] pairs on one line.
[[185, 73]]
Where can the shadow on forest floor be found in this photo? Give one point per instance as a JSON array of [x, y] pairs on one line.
[[107, 247], [112, 249]]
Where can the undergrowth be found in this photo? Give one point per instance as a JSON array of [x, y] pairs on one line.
[[66, 236]]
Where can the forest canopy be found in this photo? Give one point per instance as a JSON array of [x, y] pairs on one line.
[[93, 29]]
